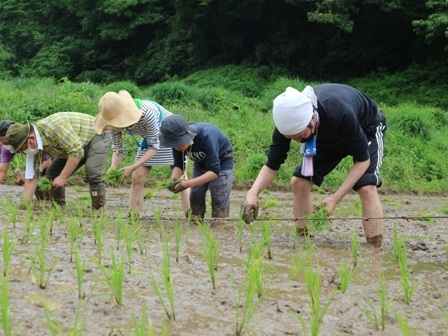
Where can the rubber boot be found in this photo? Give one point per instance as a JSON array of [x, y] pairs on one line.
[[42, 195], [57, 195], [98, 195]]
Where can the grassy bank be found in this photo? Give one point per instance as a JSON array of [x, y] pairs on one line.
[[239, 101]]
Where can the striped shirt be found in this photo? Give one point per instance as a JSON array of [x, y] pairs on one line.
[[65, 134], [148, 127]]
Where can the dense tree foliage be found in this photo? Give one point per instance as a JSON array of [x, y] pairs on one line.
[[149, 40]]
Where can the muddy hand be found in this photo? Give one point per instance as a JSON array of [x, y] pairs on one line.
[[249, 212], [179, 186]]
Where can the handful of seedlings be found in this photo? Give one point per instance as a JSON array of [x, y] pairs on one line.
[[318, 220], [167, 184], [114, 177], [44, 184]]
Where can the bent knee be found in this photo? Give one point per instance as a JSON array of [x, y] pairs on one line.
[[367, 191], [301, 184]]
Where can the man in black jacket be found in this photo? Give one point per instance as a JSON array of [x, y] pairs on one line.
[[331, 121]]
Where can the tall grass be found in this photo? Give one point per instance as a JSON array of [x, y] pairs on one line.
[[416, 133]]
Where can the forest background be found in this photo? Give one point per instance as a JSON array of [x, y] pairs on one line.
[[225, 61]]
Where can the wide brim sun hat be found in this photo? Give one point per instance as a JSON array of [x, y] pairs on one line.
[[117, 110]]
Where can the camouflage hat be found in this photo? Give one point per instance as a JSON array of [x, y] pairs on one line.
[[4, 125], [16, 135]]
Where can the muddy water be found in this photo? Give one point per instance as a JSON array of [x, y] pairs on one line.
[[202, 310]]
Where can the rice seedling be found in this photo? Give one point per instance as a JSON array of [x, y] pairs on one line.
[[254, 251], [166, 184], [98, 224], [318, 220], [30, 225], [266, 229], [8, 247], [139, 240], [355, 249], [58, 211], [210, 250], [73, 230], [168, 284], [80, 272], [296, 237], [345, 276], [298, 262], [57, 328], [4, 304], [144, 327], [114, 276], [119, 229], [79, 213], [128, 237], [41, 270], [246, 310], [307, 244], [48, 218], [317, 312], [271, 203], [114, 178], [255, 272], [403, 323], [401, 255], [178, 228], [148, 194], [377, 317], [13, 211], [239, 233], [44, 184]]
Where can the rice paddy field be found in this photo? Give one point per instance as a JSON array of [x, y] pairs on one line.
[[72, 271]]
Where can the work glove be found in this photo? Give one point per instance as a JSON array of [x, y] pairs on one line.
[[249, 212], [178, 186]]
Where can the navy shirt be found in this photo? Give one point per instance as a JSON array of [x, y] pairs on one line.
[[211, 149], [346, 115]]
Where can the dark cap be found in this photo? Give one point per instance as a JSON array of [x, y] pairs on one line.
[[16, 135], [175, 132], [4, 125]]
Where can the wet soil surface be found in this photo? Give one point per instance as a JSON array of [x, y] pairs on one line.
[[201, 310]]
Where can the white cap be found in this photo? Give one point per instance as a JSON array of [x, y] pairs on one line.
[[292, 111]]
